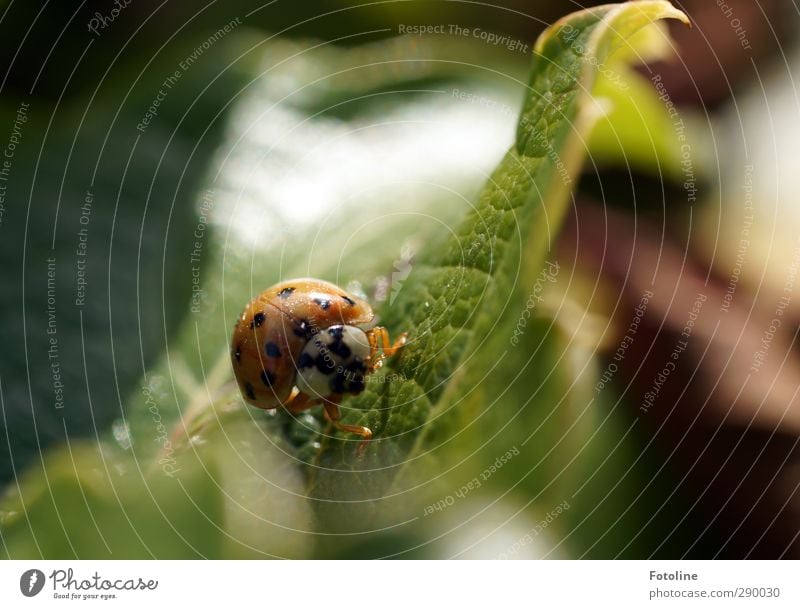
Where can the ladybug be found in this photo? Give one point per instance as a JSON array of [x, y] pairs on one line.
[[302, 342]]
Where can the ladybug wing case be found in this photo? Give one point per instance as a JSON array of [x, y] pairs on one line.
[[264, 350], [317, 304]]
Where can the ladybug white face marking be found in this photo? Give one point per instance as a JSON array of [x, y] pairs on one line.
[[334, 360]]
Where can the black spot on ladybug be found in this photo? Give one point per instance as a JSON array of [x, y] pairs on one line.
[[336, 332], [303, 329], [272, 350], [238, 353], [337, 384], [349, 300], [350, 378], [248, 389], [305, 361], [325, 364], [268, 378], [286, 292], [323, 303], [339, 348], [356, 367], [258, 319]]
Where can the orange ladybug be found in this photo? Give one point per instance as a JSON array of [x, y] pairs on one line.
[[301, 342]]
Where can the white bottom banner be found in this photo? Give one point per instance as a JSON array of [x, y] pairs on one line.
[[399, 584]]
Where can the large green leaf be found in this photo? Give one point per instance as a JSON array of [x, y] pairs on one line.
[[463, 300]]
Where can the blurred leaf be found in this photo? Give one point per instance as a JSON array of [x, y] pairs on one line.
[[84, 178], [88, 503]]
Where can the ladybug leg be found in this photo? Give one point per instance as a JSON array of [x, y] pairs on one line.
[[388, 348], [334, 415], [298, 402], [292, 396], [375, 360]]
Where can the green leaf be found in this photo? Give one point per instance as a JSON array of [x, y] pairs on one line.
[[462, 300], [81, 502], [643, 129]]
